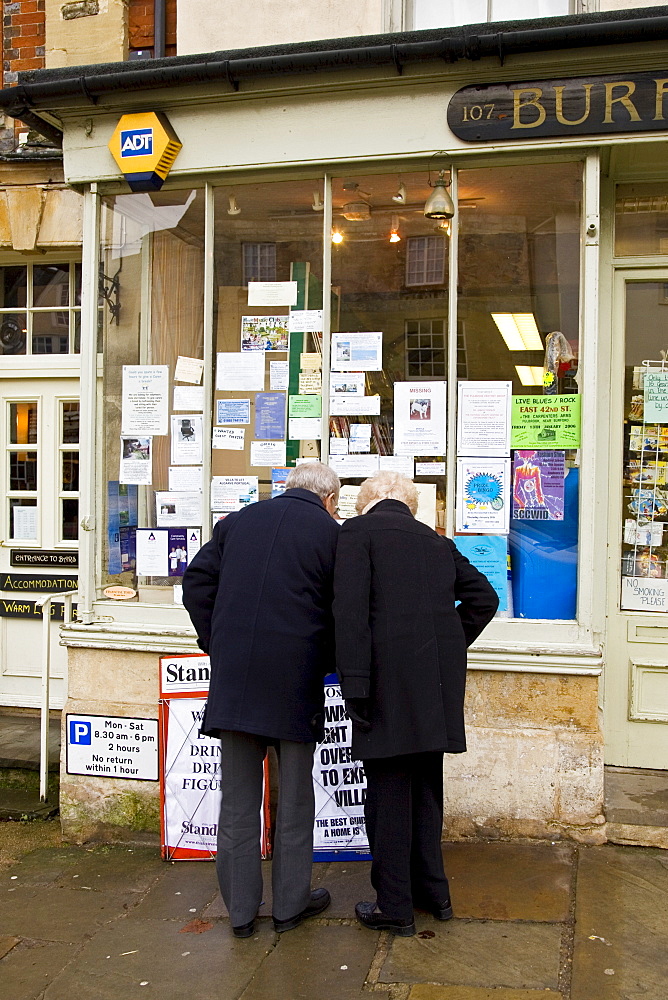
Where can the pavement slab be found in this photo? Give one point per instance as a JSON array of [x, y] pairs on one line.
[[316, 961], [102, 866], [6, 945], [510, 881], [50, 914], [477, 953], [348, 883], [29, 968], [153, 960], [182, 890], [621, 929], [426, 991]]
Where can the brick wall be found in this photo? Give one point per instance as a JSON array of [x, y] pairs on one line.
[[23, 38], [140, 25]]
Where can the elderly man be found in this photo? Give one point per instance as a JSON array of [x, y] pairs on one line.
[[260, 595]]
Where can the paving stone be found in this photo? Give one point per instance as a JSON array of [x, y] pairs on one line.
[[477, 953], [6, 944], [181, 887], [348, 883], [622, 897], [175, 966], [426, 991], [306, 964], [216, 910], [100, 867], [510, 881], [58, 914], [31, 966]]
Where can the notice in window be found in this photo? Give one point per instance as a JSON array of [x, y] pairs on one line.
[[267, 453], [489, 554], [272, 293], [240, 372], [656, 397], [305, 406], [177, 508], [538, 485], [145, 399], [152, 551], [347, 384], [233, 411], [545, 422], [354, 405], [229, 493], [483, 426], [304, 428], [483, 492], [354, 466], [188, 397], [305, 321], [279, 375], [310, 383], [360, 437], [188, 370], [185, 478], [403, 464], [136, 462], [264, 333], [228, 438], [357, 352], [25, 522], [270, 416], [187, 439], [419, 418]]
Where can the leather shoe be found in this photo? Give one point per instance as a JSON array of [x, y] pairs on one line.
[[320, 900], [370, 916], [244, 930], [442, 911]]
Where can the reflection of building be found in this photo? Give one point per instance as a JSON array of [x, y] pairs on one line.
[[559, 225]]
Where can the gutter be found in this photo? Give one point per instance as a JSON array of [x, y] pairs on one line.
[[47, 90]]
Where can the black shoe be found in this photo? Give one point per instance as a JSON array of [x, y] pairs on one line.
[[244, 930], [442, 911], [370, 916], [320, 900]]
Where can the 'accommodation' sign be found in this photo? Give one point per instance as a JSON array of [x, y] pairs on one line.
[[591, 105]]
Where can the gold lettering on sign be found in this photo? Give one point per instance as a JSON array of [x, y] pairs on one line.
[[559, 106], [661, 89], [533, 102], [625, 99]]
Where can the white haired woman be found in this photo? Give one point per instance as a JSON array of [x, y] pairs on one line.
[[401, 658]]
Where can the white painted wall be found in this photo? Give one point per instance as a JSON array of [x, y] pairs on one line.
[[203, 26]]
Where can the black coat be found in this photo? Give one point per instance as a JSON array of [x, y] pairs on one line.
[[400, 641], [260, 597]]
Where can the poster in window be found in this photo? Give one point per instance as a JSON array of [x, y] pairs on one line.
[[538, 485], [419, 418], [136, 464], [264, 333], [483, 493], [545, 422], [357, 352], [187, 439]]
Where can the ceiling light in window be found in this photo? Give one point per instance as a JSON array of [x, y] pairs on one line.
[[519, 331], [233, 207], [356, 211], [400, 196], [394, 232], [337, 237], [530, 374]]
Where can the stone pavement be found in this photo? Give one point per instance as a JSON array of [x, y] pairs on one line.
[[533, 920]]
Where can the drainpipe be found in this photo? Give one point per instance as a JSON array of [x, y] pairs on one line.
[[158, 29]]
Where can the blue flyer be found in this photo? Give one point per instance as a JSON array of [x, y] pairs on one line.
[[489, 554], [278, 477], [270, 416], [233, 411]]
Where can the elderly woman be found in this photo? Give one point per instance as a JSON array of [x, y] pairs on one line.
[[401, 658]]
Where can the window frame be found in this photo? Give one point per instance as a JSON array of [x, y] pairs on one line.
[[72, 259]]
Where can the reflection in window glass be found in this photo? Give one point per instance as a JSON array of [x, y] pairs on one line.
[[70, 519], [23, 423], [425, 260], [13, 333], [641, 219], [51, 294], [448, 13], [259, 262], [22, 470], [51, 285], [70, 422], [13, 287]]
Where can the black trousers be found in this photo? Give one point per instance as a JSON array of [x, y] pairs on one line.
[[404, 820]]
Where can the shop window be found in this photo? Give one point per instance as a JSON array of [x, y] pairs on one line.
[[641, 219], [425, 260], [259, 262], [449, 13], [40, 308]]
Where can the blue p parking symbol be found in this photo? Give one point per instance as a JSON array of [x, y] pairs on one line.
[[80, 732]]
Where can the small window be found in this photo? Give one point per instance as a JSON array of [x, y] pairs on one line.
[[40, 308], [425, 260], [425, 348], [449, 13], [259, 262]]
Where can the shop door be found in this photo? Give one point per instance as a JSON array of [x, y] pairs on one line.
[[636, 685], [39, 482]]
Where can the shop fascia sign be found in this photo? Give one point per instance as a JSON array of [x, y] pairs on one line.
[[584, 105], [144, 147]]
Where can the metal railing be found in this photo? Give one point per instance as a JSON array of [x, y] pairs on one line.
[[45, 604]]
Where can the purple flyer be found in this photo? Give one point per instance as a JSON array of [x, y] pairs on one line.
[[538, 485]]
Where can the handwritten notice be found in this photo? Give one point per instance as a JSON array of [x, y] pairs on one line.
[[229, 438], [188, 370], [656, 397], [545, 421], [641, 593]]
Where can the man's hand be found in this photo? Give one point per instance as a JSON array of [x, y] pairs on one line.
[[358, 710]]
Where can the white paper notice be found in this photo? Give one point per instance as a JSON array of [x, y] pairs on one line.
[[483, 426], [354, 405], [310, 383], [347, 501], [186, 478], [152, 551], [279, 374], [267, 453], [272, 293], [177, 509], [426, 511], [354, 466], [419, 418], [230, 438], [483, 495], [360, 437], [145, 400], [187, 439], [311, 362], [347, 384], [430, 468], [193, 542], [25, 522], [357, 352], [338, 446], [642, 593], [397, 463], [240, 371], [188, 397], [304, 429], [188, 370], [230, 493], [136, 461], [305, 321]]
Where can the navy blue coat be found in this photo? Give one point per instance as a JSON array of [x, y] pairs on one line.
[[400, 640], [260, 597]]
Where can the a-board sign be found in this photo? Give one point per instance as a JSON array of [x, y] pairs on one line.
[[43, 557], [36, 583], [184, 675], [112, 747]]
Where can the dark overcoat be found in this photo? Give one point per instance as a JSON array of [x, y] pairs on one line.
[[400, 640], [260, 597]]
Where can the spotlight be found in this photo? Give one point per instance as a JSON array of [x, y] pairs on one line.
[[337, 237]]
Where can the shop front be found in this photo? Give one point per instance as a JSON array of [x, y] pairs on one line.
[[286, 294]]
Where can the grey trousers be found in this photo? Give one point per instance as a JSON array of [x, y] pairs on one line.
[[238, 862]]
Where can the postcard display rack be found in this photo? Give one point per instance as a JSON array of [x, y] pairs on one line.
[[645, 507]]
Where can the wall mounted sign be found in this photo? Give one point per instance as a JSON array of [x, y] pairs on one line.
[[20, 582], [586, 105], [145, 146], [20, 608], [43, 557], [112, 747]]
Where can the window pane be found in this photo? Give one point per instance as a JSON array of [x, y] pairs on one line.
[[71, 471], [70, 520], [23, 423], [13, 287], [13, 333], [77, 284], [259, 262], [51, 285], [71, 422], [23, 519], [23, 470], [50, 332], [448, 13], [641, 219]]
